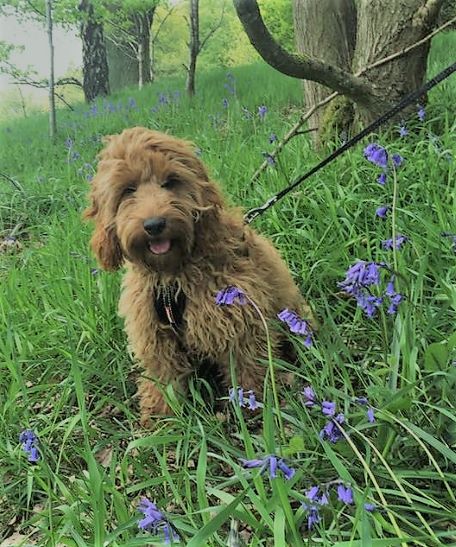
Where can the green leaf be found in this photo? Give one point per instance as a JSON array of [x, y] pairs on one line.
[[436, 357], [211, 527]]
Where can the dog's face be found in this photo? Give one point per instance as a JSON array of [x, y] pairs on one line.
[[149, 197]]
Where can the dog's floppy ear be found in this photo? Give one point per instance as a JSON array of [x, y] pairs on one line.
[[104, 242]]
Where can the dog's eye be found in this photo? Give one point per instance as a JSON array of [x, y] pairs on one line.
[[170, 182], [128, 191]]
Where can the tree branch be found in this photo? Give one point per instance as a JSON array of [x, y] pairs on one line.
[[213, 30], [161, 23], [298, 66]]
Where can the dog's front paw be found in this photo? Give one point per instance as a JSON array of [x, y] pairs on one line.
[[152, 403]]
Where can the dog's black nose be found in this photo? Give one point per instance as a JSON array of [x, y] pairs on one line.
[[155, 225]]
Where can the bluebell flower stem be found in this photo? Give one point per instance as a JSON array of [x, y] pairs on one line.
[[272, 375], [393, 218]]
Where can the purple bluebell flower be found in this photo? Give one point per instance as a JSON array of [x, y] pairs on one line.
[[381, 179], [240, 395], [163, 99], [394, 303], [370, 411], [382, 211], [361, 274], [29, 442], [131, 103], [225, 103], [328, 408], [313, 515], [273, 138], [394, 297], [377, 155], [154, 521], [359, 278], [69, 143], [230, 295], [237, 396], [94, 271], [309, 396], [397, 160], [421, 113], [272, 464], [296, 324], [345, 494], [369, 303], [269, 159], [253, 404], [403, 131], [323, 499], [312, 493], [273, 467], [331, 431], [152, 515], [370, 507], [288, 472], [262, 111], [399, 241], [371, 415]]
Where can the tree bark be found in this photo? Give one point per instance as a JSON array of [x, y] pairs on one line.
[[193, 47], [52, 115], [325, 29], [383, 32], [95, 64]]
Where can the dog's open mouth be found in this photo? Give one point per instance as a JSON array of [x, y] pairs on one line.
[[160, 247]]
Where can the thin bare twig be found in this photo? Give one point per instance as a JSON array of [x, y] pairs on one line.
[[304, 117]]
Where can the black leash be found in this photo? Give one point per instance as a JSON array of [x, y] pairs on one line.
[[257, 211]]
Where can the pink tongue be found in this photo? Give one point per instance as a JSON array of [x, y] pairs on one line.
[[160, 247]]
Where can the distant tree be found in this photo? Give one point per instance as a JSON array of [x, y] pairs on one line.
[[94, 60], [195, 45], [52, 115], [128, 26], [337, 40]]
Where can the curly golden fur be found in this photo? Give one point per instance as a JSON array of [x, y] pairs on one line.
[[156, 211]]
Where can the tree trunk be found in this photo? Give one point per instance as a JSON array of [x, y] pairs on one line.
[[94, 59], [193, 47], [325, 29], [52, 116], [383, 32], [380, 32], [143, 23]]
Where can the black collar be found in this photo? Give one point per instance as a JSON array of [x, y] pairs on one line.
[[169, 303]]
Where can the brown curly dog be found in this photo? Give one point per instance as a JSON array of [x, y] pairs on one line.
[[156, 210]]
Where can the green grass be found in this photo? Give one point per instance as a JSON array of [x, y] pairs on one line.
[[65, 371]]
